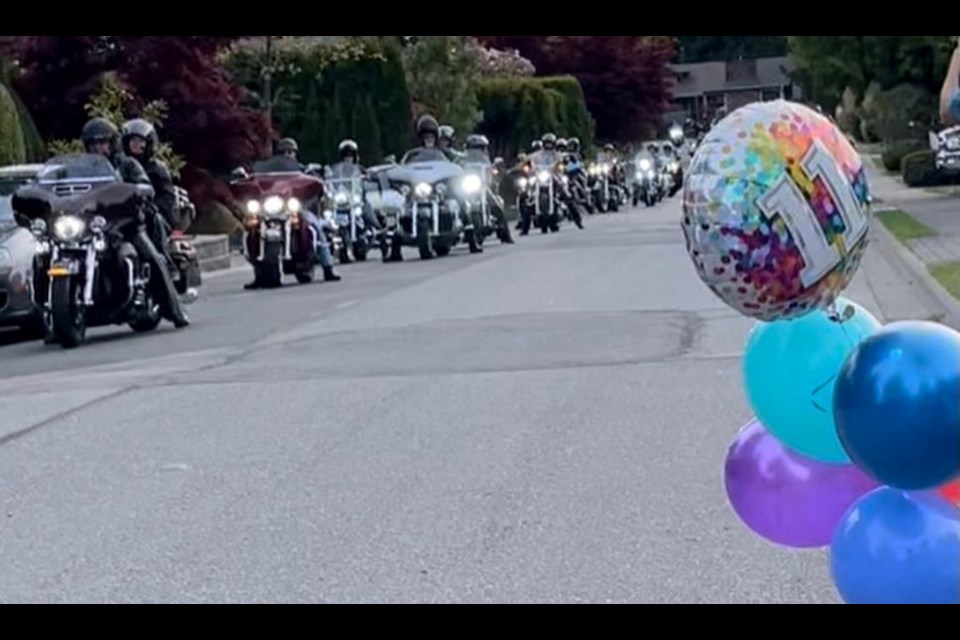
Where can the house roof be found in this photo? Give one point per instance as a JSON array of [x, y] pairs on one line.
[[719, 77]]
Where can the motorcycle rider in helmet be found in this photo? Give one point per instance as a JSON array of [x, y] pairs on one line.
[[101, 137], [536, 146], [428, 131], [478, 152], [446, 139], [349, 166]]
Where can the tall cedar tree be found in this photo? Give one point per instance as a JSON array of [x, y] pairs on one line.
[[207, 123], [625, 79]]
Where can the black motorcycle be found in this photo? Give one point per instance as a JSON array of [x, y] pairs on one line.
[[87, 272]]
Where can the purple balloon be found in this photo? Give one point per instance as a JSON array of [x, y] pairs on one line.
[[788, 499]]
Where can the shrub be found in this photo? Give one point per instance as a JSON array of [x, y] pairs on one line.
[[894, 152], [12, 145]]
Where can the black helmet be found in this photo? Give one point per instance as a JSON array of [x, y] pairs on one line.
[[562, 144], [549, 141], [140, 128], [101, 130], [536, 145], [477, 142], [447, 133], [287, 145], [349, 148], [428, 124]]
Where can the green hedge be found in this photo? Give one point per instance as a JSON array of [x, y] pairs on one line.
[[328, 92], [520, 110], [894, 152], [12, 146]]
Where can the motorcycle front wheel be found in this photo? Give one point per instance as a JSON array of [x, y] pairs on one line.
[[69, 327]]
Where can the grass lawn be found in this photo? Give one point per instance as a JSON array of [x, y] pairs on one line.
[[948, 274], [903, 226]]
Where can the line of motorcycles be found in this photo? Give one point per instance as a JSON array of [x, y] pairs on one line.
[[84, 219]]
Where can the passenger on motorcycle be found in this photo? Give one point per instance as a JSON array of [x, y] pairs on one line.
[[478, 152], [446, 141], [101, 137], [289, 148], [349, 167]]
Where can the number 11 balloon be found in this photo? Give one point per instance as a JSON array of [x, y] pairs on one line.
[[776, 211]]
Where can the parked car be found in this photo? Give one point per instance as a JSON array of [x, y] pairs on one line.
[[17, 247], [948, 150]]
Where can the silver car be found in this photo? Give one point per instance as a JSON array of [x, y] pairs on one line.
[[17, 248]]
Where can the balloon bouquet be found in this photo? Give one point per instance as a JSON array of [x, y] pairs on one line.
[[857, 435]]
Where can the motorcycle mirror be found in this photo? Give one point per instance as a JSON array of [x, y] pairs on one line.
[[239, 174], [315, 170]]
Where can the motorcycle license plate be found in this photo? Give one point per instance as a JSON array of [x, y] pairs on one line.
[[273, 234], [343, 219], [63, 269]]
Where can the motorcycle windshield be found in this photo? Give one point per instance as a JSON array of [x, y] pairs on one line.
[[277, 164], [344, 171], [424, 155], [428, 172], [77, 167]]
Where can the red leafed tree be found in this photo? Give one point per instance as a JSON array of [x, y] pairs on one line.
[[207, 123], [626, 79]]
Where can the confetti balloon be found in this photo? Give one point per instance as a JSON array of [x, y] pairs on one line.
[[776, 211]]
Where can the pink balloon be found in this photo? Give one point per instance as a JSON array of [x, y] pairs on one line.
[[785, 498]]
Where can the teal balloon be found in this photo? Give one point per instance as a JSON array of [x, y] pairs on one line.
[[791, 370]]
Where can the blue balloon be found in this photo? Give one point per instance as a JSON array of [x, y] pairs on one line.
[[790, 370], [894, 548], [897, 406]]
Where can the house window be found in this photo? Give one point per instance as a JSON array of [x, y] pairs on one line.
[[770, 94]]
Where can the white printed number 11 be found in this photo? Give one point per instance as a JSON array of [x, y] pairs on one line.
[[787, 201]]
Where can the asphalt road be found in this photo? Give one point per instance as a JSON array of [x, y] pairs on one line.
[[544, 423]]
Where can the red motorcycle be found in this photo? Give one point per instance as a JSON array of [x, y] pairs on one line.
[[279, 239]]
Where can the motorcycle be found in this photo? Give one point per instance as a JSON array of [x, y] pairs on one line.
[[430, 219], [605, 192], [345, 200], [645, 184], [87, 272], [540, 202], [185, 270], [279, 238]]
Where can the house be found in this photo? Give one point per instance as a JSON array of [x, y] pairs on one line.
[[704, 88]]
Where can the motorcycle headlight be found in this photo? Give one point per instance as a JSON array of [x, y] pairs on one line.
[[423, 190], [952, 143], [651, 175], [39, 228], [341, 197], [294, 205], [522, 183], [472, 184], [543, 177], [254, 208], [68, 228], [273, 205], [645, 165], [673, 167]]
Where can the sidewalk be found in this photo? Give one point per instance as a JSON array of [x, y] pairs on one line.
[[924, 227]]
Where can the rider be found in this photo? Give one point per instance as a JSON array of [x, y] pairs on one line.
[[478, 152], [349, 167], [288, 148], [101, 137], [428, 131], [446, 140]]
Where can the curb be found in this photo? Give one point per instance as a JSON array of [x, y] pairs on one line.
[[949, 305]]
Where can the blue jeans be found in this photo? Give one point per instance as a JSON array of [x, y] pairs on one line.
[[324, 254]]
